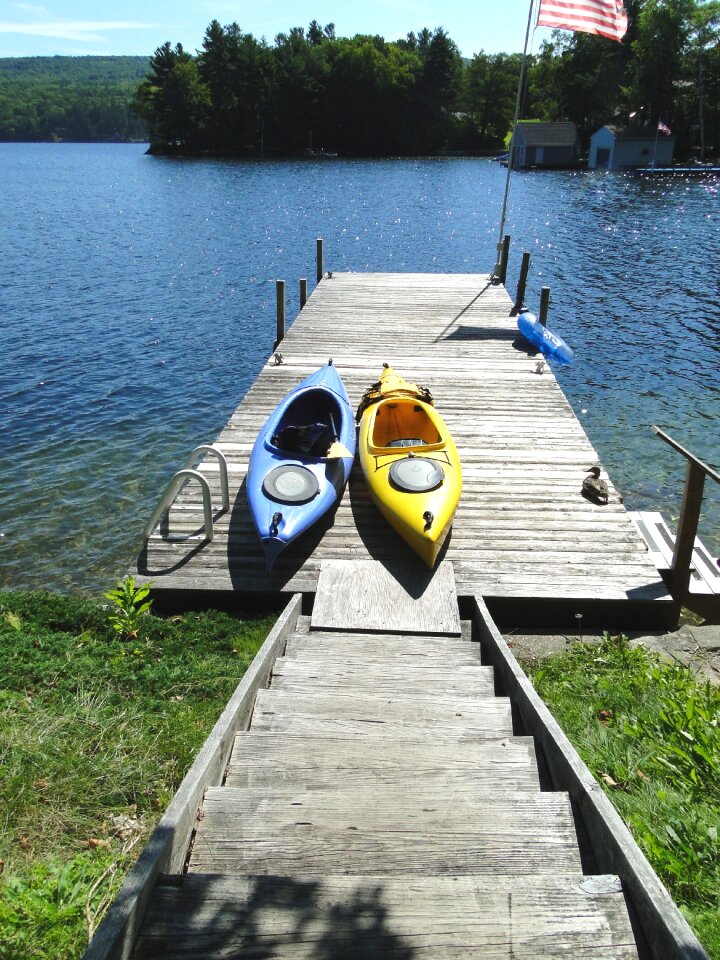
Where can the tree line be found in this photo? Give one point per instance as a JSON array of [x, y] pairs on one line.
[[70, 98], [313, 90], [364, 95]]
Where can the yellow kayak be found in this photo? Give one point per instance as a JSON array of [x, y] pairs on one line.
[[410, 463]]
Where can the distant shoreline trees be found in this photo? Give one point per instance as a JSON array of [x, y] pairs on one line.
[[70, 98], [313, 91], [365, 96]]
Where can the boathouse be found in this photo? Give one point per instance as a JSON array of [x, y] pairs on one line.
[[624, 148], [548, 145]]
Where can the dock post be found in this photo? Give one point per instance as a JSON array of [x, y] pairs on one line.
[[280, 300], [522, 282], [502, 277], [320, 268], [544, 304], [303, 292], [686, 530]]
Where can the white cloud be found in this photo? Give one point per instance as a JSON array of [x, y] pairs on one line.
[[85, 30]]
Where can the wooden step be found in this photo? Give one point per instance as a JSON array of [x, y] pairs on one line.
[[303, 627], [266, 759], [382, 716], [383, 647], [660, 540], [302, 673], [403, 918], [385, 831]]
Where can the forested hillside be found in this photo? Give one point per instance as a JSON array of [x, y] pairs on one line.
[[70, 98]]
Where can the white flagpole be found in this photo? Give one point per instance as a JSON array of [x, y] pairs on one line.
[[496, 271]]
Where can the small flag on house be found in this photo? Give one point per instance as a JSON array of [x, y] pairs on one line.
[[663, 127], [606, 18]]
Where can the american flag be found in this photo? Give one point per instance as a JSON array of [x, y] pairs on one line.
[[663, 127], [606, 18]]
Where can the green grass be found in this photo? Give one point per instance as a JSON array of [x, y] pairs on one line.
[[650, 733], [96, 733]]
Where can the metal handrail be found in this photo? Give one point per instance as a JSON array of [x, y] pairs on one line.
[[178, 481], [222, 463], [680, 566], [708, 471]]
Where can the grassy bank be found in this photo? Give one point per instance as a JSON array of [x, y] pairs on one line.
[[650, 732], [97, 728]]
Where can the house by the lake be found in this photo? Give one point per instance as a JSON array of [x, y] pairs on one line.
[[545, 145], [624, 148]]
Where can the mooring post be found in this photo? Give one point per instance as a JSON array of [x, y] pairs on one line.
[[687, 530], [320, 268], [505, 253], [303, 292], [544, 304], [522, 282], [280, 299]]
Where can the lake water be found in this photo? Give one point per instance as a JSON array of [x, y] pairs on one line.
[[137, 304]]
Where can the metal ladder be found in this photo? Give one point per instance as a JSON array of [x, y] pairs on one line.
[[178, 481]]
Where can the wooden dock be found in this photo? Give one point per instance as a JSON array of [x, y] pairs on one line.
[[522, 532], [390, 795]]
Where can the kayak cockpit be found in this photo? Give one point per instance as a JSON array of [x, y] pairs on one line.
[[406, 424], [308, 425]]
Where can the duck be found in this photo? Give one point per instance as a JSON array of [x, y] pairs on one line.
[[593, 488]]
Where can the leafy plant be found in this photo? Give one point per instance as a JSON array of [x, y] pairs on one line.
[[129, 607]]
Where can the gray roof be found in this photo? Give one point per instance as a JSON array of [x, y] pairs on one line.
[[562, 134], [633, 133]]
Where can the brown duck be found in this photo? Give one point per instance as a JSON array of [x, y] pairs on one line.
[[593, 488]]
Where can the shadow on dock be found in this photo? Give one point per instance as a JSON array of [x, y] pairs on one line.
[[265, 916]]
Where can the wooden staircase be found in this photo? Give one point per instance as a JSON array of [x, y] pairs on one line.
[[379, 805]]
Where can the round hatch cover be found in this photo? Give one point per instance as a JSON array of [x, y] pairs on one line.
[[416, 474], [291, 483]]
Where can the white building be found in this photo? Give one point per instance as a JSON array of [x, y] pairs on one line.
[[623, 148]]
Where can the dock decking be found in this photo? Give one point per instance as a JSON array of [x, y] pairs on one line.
[[522, 531]]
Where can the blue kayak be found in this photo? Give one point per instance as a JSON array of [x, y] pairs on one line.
[[548, 343], [301, 460]]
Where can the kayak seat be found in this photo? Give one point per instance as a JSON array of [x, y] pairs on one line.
[[403, 424], [312, 439], [407, 442]]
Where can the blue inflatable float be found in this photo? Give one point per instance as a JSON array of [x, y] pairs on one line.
[[548, 343]]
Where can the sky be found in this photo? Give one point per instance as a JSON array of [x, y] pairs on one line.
[[138, 27]]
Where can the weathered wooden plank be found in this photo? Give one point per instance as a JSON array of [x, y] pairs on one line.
[[367, 595], [382, 675], [385, 832], [268, 759], [358, 649], [458, 918], [382, 717]]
